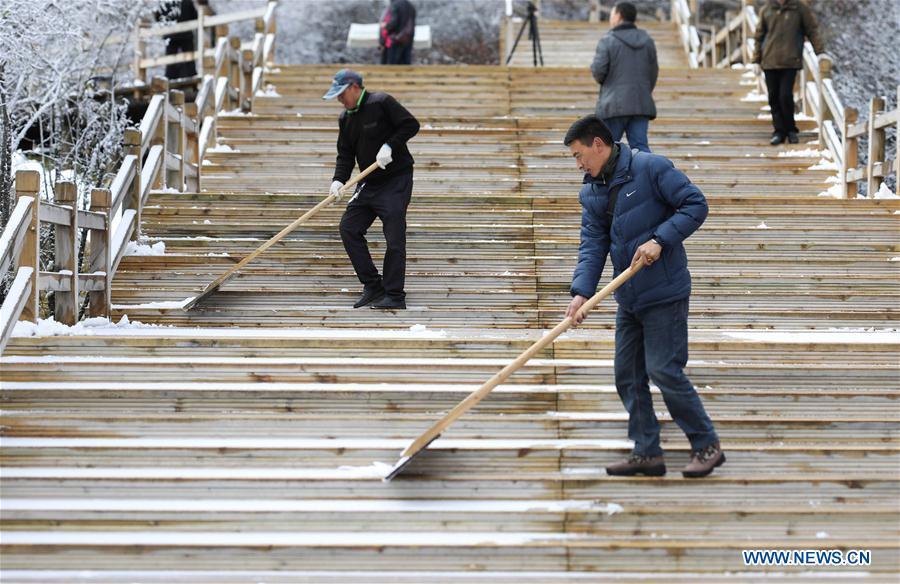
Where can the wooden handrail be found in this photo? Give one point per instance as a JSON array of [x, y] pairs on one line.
[[15, 231], [839, 127]]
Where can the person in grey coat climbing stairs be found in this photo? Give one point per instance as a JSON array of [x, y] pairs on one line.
[[637, 207], [626, 68]]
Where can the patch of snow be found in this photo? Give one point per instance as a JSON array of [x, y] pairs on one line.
[[702, 142], [269, 92], [895, 259], [755, 96], [613, 508], [805, 153], [421, 329], [885, 193], [821, 534], [135, 248], [836, 191], [207, 162], [833, 336], [165, 305], [207, 222], [763, 226], [87, 327], [824, 164], [222, 148]]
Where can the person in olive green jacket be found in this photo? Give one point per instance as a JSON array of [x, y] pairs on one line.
[[783, 24]]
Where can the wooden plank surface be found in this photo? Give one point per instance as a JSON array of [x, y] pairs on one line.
[[252, 448]]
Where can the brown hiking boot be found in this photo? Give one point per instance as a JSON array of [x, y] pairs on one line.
[[704, 461], [652, 466]]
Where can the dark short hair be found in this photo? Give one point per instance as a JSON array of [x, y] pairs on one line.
[[586, 129], [626, 10]]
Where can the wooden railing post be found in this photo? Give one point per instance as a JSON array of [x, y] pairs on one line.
[[99, 254], [876, 147], [175, 137], [192, 148], [28, 184], [594, 15], [850, 159], [66, 239], [271, 31], [133, 198], [160, 85], [246, 80], [234, 72], [201, 41], [745, 33], [140, 50], [825, 66]]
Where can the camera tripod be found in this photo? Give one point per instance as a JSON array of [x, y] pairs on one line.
[[533, 34]]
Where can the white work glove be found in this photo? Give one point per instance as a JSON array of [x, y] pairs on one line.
[[383, 158], [336, 190]]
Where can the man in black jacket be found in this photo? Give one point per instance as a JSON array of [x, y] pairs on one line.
[[374, 127]]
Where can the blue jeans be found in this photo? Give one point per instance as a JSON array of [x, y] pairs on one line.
[[636, 127], [653, 344]]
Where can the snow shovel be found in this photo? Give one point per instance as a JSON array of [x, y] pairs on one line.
[[433, 433], [213, 286]]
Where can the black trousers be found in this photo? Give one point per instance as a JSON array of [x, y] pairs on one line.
[[397, 55], [387, 201], [780, 84]]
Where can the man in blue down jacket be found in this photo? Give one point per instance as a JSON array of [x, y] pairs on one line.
[[655, 208]]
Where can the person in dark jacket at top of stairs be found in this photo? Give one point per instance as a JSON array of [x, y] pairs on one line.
[[654, 208], [374, 127], [397, 32], [626, 68], [783, 24]]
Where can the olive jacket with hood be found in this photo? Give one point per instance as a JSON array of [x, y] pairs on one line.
[[780, 33]]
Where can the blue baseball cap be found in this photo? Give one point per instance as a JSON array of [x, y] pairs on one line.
[[342, 80]]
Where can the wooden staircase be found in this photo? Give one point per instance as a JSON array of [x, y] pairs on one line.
[[251, 448]]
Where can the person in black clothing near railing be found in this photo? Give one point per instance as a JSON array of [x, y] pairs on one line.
[[181, 42], [374, 127], [398, 27]]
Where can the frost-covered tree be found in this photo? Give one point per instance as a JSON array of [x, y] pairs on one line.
[[54, 55]]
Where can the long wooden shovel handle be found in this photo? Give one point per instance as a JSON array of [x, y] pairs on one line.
[[501, 376], [254, 254]]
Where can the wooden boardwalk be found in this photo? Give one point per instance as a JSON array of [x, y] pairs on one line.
[[251, 448]]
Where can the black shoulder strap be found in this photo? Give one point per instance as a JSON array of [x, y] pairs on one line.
[[611, 204]]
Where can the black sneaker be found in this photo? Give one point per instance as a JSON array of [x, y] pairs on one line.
[[369, 295], [776, 139], [793, 138], [388, 303], [651, 466]]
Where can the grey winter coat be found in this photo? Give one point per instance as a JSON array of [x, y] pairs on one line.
[[626, 68]]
